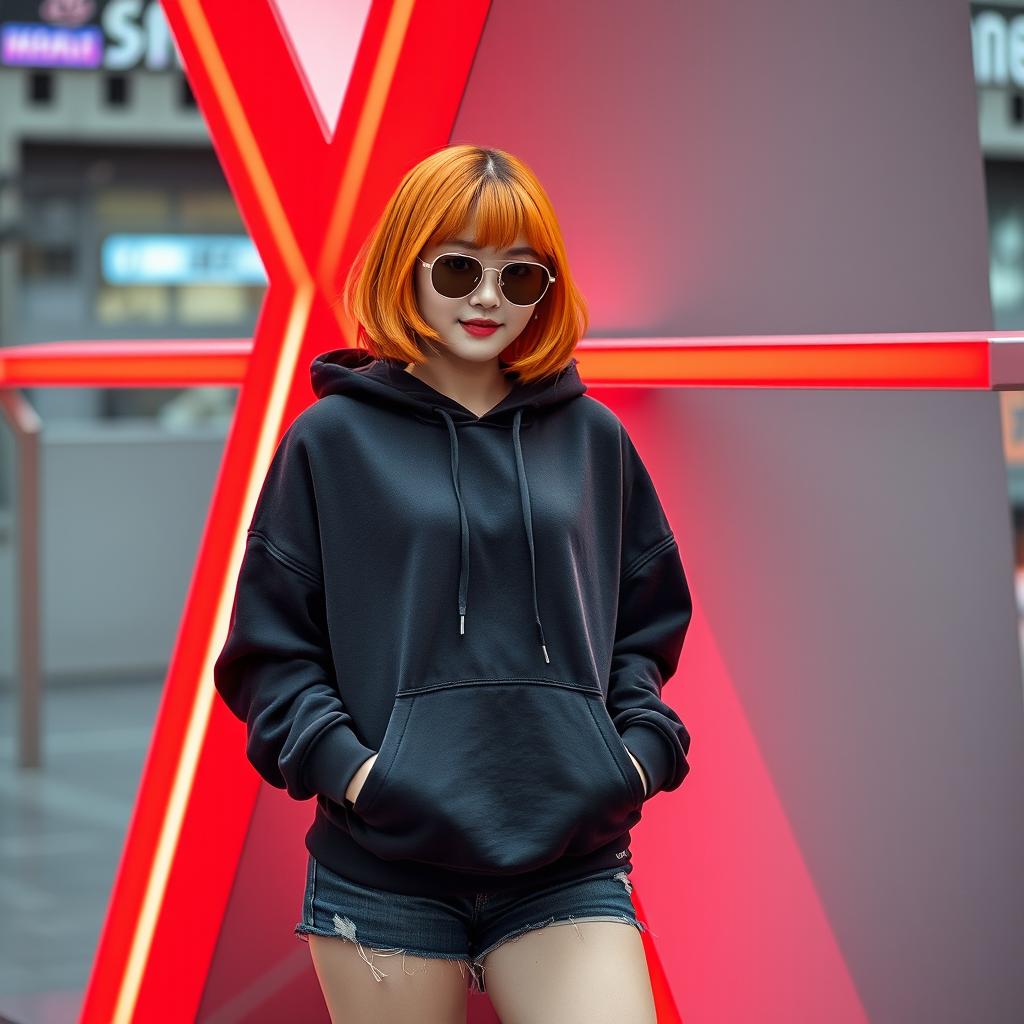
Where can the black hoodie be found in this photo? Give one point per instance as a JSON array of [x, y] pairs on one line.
[[492, 603]]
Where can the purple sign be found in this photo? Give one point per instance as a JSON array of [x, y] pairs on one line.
[[38, 45]]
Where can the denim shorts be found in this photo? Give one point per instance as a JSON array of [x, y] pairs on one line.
[[460, 928]]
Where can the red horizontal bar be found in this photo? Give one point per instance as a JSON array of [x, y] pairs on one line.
[[125, 364], [991, 360]]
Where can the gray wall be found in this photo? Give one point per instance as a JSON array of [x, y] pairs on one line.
[[122, 514]]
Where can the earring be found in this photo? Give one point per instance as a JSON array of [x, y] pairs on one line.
[[536, 316]]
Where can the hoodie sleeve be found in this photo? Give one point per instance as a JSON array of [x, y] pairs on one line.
[[654, 612], [275, 671]]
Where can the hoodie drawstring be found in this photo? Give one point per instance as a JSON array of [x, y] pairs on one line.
[[524, 494], [463, 523]]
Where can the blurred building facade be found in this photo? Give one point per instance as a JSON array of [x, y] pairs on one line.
[[997, 39], [115, 222]]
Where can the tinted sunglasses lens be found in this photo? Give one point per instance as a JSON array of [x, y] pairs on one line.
[[523, 283], [455, 276]]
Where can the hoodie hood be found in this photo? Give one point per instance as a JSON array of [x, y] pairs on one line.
[[355, 372]]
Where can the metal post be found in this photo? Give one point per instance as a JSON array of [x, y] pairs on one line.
[[27, 426]]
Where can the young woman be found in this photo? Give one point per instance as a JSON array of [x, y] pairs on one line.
[[459, 601]]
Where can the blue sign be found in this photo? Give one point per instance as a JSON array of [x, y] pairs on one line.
[[181, 259]]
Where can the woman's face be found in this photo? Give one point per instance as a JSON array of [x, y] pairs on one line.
[[486, 303]]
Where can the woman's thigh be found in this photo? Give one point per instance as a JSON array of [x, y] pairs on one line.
[[580, 972], [413, 989], [569, 952], [380, 955]]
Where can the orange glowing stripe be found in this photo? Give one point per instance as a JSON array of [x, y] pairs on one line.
[[278, 375], [286, 247]]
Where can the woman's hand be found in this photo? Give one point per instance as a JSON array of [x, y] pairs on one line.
[[638, 768], [356, 782]]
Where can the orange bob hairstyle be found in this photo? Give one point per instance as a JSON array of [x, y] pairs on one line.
[[434, 201]]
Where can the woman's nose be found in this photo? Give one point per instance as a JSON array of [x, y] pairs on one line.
[[487, 290]]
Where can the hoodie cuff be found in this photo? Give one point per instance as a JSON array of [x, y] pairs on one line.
[[647, 746], [335, 758]]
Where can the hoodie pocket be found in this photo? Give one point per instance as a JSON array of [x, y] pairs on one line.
[[497, 776]]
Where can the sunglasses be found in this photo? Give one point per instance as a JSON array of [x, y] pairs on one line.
[[455, 275]]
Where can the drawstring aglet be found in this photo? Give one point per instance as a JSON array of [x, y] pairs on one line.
[[462, 625], [540, 636]]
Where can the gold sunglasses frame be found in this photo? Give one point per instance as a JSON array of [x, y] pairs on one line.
[[498, 270]]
